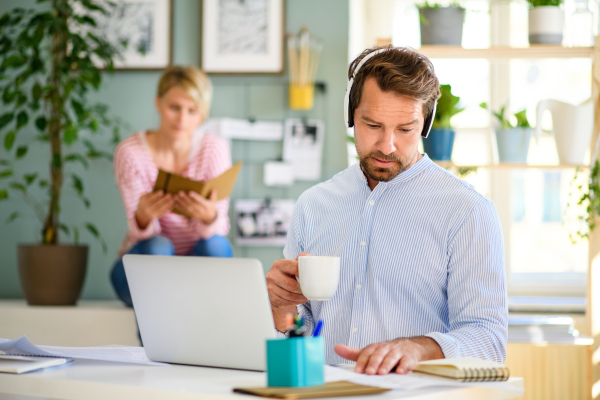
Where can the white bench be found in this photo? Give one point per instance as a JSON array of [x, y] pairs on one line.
[[89, 323]]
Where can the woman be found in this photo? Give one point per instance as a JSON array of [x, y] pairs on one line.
[[183, 102]]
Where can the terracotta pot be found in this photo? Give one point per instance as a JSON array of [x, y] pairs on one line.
[[52, 275]]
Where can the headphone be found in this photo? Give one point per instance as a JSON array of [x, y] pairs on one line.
[[349, 114]]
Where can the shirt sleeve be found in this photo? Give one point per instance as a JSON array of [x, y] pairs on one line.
[[132, 187], [292, 248], [219, 161], [477, 300]]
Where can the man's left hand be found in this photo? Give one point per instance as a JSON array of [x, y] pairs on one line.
[[197, 207], [400, 354]]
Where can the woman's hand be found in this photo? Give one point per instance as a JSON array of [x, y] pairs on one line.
[[197, 207], [153, 205]]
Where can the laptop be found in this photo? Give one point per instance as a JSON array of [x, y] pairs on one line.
[[204, 311]]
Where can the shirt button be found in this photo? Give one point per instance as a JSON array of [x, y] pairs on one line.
[[363, 244], [355, 330], [372, 202], [358, 287]]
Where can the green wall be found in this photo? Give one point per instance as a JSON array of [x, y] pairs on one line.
[[130, 96]]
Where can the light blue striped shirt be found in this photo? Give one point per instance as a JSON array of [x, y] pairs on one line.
[[421, 255]]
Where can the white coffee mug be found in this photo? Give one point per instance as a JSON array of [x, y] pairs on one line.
[[318, 276]]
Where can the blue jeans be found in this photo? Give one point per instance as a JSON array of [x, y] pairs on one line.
[[215, 246]]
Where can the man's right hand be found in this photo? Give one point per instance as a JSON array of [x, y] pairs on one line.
[[153, 205], [284, 290]]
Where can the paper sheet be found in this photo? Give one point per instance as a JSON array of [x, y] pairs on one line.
[[303, 148], [410, 381], [277, 173], [134, 355]]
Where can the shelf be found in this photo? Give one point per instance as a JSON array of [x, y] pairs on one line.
[[503, 53], [450, 164]]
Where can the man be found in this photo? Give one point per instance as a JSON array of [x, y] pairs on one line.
[[422, 259]]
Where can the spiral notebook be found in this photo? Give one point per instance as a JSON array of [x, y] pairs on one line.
[[465, 369], [19, 364]]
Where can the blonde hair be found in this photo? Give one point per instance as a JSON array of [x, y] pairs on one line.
[[193, 81]]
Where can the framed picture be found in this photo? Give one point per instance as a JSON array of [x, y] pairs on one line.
[[242, 36], [262, 222], [147, 27]]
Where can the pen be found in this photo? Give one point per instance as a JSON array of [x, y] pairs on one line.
[[318, 328]]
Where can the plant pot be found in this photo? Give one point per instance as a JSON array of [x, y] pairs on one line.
[[442, 26], [546, 25], [513, 144], [52, 275], [439, 143]]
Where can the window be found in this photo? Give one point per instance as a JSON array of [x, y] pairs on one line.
[[531, 202]]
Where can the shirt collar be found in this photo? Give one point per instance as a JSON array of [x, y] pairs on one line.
[[423, 164]]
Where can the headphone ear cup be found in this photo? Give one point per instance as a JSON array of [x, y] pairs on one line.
[[429, 122]]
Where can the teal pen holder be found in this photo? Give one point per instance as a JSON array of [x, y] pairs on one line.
[[297, 361]]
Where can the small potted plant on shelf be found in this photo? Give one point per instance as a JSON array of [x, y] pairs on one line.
[[546, 20], [438, 145], [512, 138], [48, 64], [441, 25]]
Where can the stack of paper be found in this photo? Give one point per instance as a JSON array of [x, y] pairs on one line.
[[23, 346], [541, 328]]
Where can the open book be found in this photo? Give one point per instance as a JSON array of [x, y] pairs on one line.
[[466, 369], [173, 183]]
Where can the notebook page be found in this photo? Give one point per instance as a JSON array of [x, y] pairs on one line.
[[463, 362]]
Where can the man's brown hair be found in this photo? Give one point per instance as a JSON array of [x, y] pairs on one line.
[[401, 70]]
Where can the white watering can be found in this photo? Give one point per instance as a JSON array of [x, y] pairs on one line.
[[572, 126]]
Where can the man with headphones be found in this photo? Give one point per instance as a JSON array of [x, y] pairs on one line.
[[422, 259]]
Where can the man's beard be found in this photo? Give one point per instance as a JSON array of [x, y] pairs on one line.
[[382, 174]]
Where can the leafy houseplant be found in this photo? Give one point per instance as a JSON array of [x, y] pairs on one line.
[[512, 138], [545, 21], [589, 199], [441, 25], [49, 61], [438, 145]]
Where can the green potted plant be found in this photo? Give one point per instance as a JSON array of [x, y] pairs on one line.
[[49, 61], [438, 145], [512, 137], [545, 21], [441, 25]]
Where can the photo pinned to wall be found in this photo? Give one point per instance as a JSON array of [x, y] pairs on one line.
[[242, 37], [146, 26], [303, 148], [262, 222]]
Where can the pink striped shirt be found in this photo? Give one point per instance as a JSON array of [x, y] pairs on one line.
[[136, 173]]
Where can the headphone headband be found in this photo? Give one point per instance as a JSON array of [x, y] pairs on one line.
[[349, 115]]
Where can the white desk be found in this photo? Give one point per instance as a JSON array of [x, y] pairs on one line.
[[98, 380]]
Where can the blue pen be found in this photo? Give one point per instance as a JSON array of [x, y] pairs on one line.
[[318, 328]]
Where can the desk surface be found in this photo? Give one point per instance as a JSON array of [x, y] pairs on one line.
[[94, 380]]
